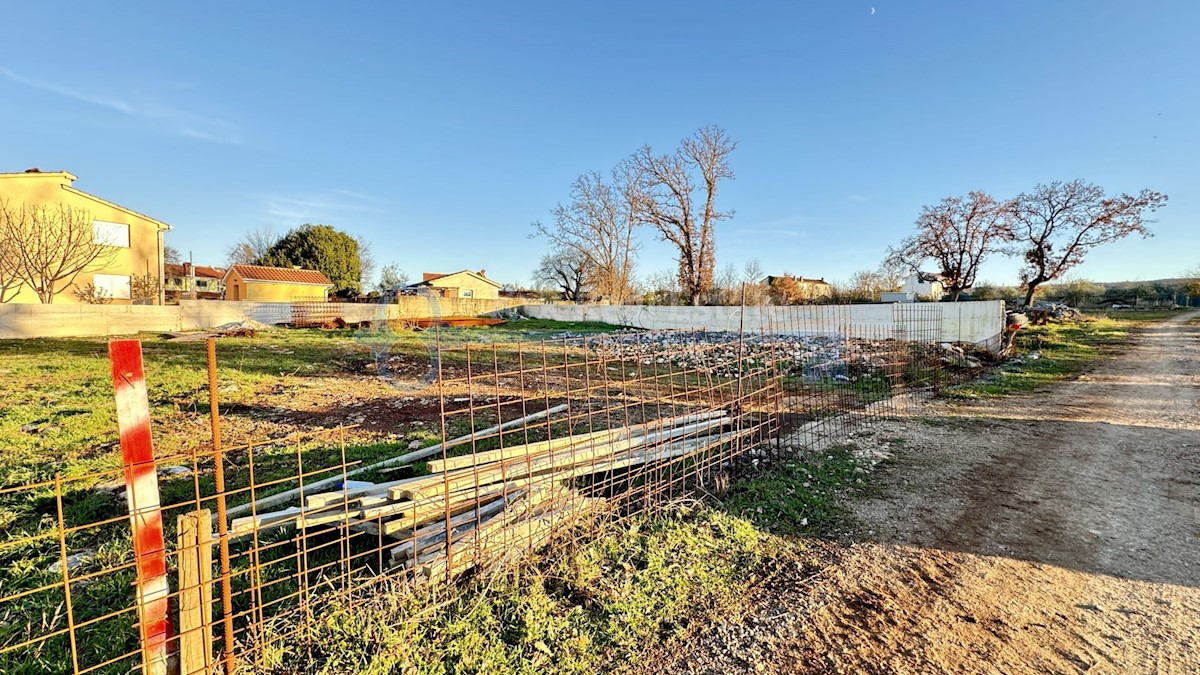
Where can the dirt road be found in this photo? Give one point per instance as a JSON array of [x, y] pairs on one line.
[[1051, 533]]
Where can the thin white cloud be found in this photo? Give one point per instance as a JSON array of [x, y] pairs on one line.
[[171, 118], [331, 205], [775, 232]]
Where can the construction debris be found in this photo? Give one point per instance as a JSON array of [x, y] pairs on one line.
[[244, 328], [479, 510]]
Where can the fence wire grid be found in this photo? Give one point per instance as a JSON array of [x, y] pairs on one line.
[[539, 444]]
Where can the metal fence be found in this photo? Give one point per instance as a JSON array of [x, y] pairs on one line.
[[201, 563]]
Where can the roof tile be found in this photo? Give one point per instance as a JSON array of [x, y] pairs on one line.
[[283, 274]]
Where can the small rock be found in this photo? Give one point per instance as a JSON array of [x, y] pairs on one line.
[[29, 428], [112, 487], [171, 471], [415, 445], [74, 561]]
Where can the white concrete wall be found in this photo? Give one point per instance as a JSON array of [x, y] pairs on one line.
[[976, 322], [26, 321], [30, 321]]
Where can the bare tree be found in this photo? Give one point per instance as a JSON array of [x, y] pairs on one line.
[[171, 255], [567, 271], [52, 245], [366, 262], [668, 201], [1056, 225], [391, 278], [727, 287], [869, 285], [598, 224], [10, 281], [662, 288], [958, 233], [251, 248], [754, 283]]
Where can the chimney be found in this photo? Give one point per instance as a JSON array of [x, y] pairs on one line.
[[483, 273], [33, 170]]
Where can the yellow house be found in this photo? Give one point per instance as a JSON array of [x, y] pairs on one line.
[[275, 284], [134, 241], [800, 289], [464, 284]]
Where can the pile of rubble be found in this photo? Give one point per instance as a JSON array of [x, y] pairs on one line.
[[1053, 310], [813, 357]]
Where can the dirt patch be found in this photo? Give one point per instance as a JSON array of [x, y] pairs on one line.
[[1057, 532]]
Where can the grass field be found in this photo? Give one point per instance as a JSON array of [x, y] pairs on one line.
[[1058, 351], [57, 413]]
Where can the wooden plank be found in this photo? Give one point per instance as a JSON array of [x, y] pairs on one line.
[[195, 593], [141, 494], [529, 449], [430, 486], [409, 458]]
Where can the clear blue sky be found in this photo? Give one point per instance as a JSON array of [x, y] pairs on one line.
[[439, 131]]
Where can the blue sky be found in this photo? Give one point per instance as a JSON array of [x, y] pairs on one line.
[[441, 131]]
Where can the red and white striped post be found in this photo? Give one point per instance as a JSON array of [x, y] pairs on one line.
[[141, 493]]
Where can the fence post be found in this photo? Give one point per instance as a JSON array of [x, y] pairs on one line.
[[141, 494], [214, 414], [195, 592]]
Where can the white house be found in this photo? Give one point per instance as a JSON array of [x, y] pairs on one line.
[[925, 285]]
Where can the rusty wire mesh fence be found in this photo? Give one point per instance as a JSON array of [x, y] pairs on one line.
[[539, 443]]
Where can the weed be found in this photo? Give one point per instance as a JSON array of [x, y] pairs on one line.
[[595, 607], [799, 496]]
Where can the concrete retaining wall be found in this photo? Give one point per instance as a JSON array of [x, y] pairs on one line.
[[30, 321], [976, 322]]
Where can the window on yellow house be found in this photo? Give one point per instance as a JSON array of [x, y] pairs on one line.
[[110, 234], [114, 286]]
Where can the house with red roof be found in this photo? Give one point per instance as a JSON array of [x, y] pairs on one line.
[[275, 284], [461, 284], [186, 280]]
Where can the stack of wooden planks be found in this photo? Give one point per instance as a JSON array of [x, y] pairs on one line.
[[480, 509]]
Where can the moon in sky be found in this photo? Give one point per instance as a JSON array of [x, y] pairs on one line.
[[872, 11]]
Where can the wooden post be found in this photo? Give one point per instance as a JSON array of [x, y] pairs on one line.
[[195, 593], [141, 494]]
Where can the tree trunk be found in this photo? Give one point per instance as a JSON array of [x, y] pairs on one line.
[[1029, 293], [954, 293]]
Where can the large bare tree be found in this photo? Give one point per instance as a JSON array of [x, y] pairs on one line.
[[566, 271], [1056, 225], [958, 233], [51, 245], [598, 225], [677, 196]]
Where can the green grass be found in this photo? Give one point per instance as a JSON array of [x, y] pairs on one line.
[[800, 497], [595, 607], [1057, 352]]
